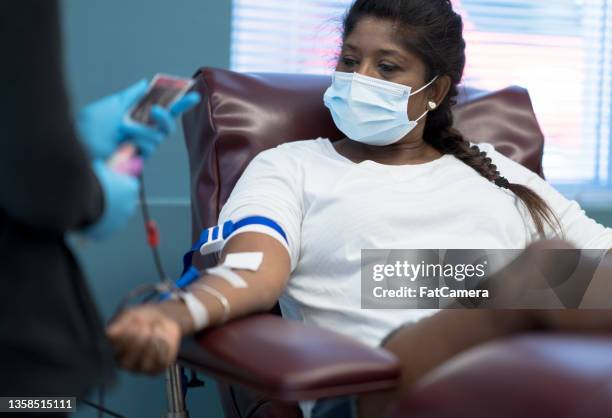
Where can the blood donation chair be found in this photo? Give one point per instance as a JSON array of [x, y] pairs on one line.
[[264, 364]]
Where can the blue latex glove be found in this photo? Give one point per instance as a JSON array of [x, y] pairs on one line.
[[102, 125], [120, 201], [165, 118]]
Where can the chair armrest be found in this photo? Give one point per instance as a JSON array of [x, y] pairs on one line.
[[534, 375], [288, 360]]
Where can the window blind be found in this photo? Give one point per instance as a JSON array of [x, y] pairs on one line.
[[560, 50]]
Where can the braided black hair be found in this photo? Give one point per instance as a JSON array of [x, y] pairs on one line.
[[434, 31]]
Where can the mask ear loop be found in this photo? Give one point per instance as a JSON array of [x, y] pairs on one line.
[[424, 87], [421, 117], [420, 90]]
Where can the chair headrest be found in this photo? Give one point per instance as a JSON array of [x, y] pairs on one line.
[[243, 114]]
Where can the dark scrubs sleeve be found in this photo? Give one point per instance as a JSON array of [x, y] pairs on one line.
[[52, 340], [45, 176]]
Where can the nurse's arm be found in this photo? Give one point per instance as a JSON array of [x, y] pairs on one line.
[[45, 174]]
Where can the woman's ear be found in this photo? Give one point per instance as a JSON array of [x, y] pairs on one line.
[[439, 89]]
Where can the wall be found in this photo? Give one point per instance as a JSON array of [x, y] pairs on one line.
[[109, 45]]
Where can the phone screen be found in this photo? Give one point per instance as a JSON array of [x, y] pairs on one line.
[[163, 91]]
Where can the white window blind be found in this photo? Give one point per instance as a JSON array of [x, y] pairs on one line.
[[560, 50]]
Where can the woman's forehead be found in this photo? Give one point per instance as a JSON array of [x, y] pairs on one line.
[[371, 29], [375, 35]]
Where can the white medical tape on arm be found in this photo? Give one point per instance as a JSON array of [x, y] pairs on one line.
[[234, 279], [196, 309], [220, 297], [247, 260]]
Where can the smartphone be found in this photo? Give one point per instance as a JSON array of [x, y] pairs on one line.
[[163, 90]]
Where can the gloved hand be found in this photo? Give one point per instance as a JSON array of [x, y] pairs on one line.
[[102, 125], [120, 201]]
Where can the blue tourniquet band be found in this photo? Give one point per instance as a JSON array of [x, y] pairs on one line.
[[226, 229]]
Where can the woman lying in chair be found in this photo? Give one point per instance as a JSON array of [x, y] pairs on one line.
[[402, 178]]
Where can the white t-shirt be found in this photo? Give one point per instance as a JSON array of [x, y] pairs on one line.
[[330, 208]]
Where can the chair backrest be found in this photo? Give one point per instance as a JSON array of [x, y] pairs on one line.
[[243, 114]]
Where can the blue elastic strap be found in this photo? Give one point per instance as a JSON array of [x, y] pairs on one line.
[[185, 280], [202, 240], [227, 228], [260, 220]]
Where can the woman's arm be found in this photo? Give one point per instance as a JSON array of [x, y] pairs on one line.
[[423, 346], [264, 285], [270, 186], [146, 338]]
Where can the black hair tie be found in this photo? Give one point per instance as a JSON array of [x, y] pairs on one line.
[[502, 182]]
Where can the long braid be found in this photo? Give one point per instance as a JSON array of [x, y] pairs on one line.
[[440, 134]]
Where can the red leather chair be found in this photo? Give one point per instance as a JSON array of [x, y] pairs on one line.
[[528, 376], [264, 364]]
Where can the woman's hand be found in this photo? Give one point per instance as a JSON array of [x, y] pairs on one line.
[[145, 338]]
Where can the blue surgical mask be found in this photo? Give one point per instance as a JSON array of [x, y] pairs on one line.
[[370, 110]]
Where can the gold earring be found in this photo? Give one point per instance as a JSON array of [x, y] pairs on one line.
[[432, 105]]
